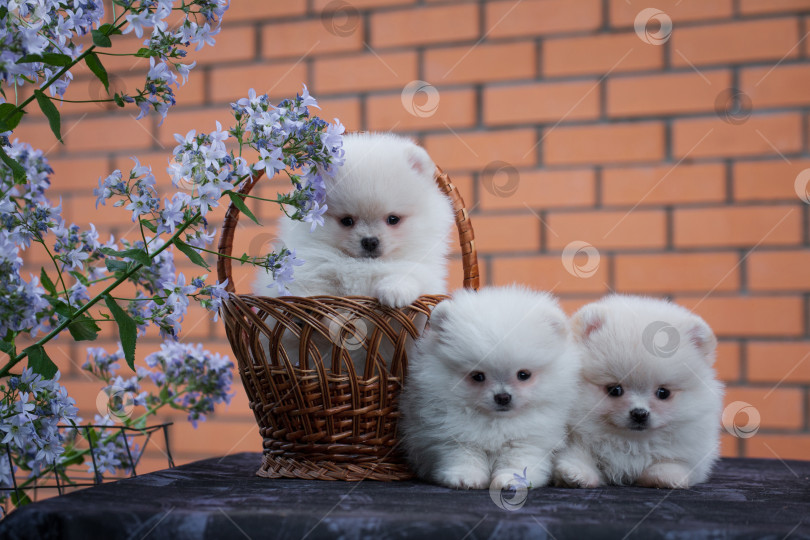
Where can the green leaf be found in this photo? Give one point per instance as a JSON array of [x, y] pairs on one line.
[[143, 52], [39, 362], [52, 59], [84, 329], [239, 202], [118, 100], [8, 348], [46, 282], [127, 330], [149, 225], [114, 265], [13, 164], [20, 498], [138, 255], [80, 277], [108, 29], [8, 120], [100, 39], [51, 112], [97, 68], [193, 256]]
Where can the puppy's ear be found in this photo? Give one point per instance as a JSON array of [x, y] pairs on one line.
[[701, 336], [587, 320], [439, 315], [419, 160]]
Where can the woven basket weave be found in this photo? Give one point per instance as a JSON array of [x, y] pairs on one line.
[[323, 373]]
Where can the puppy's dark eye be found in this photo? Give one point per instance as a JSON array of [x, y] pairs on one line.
[[615, 390], [662, 393], [348, 221], [392, 220], [523, 375], [477, 376]]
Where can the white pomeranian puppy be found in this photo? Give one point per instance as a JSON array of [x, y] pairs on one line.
[[489, 389], [385, 232], [649, 407]]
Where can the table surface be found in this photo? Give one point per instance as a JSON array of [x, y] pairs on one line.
[[221, 498]]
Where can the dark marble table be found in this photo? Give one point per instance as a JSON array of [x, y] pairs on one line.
[[220, 498]]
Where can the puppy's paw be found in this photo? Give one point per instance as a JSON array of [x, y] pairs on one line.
[[463, 476], [665, 475], [397, 291], [576, 475]]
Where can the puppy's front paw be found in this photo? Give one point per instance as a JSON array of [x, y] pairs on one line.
[[397, 291], [665, 475], [463, 476], [575, 473]]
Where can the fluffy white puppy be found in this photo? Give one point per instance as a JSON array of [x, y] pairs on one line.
[[386, 230], [649, 407], [489, 389]]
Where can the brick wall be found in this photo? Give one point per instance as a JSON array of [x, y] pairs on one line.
[[672, 154]]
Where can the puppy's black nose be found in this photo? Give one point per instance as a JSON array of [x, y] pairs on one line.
[[370, 243], [639, 415], [503, 399]]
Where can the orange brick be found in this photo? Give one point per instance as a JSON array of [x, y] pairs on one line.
[[486, 63], [37, 133], [181, 122], [665, 94], [668, 184], [233, 43], [766, 180], [605, 53], [78, 174], [364, 72], [499, 234], [677, 272], [424, 25], [297, 39], [550, 273], [280, 81], [781, 409], [532, 17], [787, 362], [773, 6], [347, 110], [624, 14], [779, 270], [737, 226], [729, 446], [541, 102], [734, 42], [613, 143], [759, 135], [252, 11], [607, 230], [454, 108], [94, 133], [727, 364], [360, 4], [216, 437], [778, 446], [571, 304], [734, 316], [776, 87], [471, 151], [537, 189]]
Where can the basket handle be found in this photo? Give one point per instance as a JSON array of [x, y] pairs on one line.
[[469, 255]]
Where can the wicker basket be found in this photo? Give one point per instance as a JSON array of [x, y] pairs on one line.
[[328, 412]]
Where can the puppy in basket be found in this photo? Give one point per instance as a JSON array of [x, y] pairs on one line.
[[385, 235], [648, 407], [489, 389], [385, 232]]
